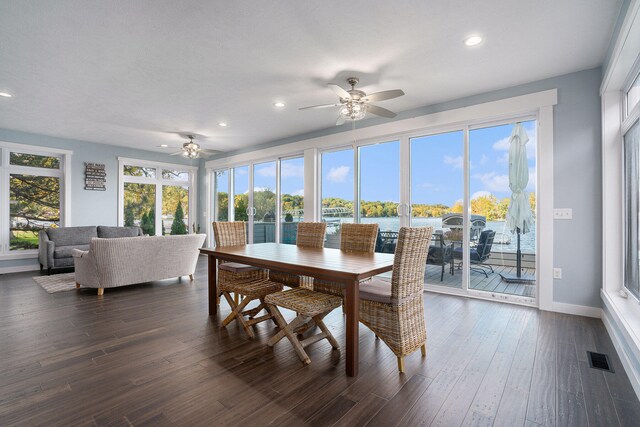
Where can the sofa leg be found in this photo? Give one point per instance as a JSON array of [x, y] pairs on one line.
[[191, 277], [77, 285], [100, 291], [49, 271], [41, 267]]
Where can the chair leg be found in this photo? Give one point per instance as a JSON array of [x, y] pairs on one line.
[[237, 314], [423, 349], [49, 271], [401, 364], [328, 335], [442, 273], [288, 332], [191, 277], [236, 298], [100, 291], [77, 285], [41, 267]]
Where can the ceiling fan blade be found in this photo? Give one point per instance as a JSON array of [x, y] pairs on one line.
[[340, 121], [312, 107], [384, 95], [176, 153], [379, 111], [209, 152], [343, 94]]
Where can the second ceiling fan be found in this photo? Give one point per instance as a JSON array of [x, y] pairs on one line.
[[354, 103]]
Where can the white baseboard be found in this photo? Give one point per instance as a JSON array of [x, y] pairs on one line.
[[632, 374], [578, 310], [19, 268]]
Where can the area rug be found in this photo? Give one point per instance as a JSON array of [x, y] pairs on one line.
[[57, 282]]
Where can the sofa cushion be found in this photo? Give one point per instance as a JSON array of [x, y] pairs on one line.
[[66, 251], [105, 232], [376, 290], [63, 262], [68, 236], [236, 267]]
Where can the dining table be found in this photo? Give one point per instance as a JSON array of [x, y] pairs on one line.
[[346, 268]]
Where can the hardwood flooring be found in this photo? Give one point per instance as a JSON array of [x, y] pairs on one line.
[[150, 355]]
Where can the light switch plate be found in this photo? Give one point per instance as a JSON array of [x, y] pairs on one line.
[[557, 273], [564, 213]]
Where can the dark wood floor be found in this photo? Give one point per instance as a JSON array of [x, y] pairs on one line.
[[150, 355]]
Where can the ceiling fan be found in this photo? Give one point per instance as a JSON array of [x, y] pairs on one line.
[[192, 150], [354, 103]]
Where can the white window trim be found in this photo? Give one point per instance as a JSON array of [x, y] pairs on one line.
[[64, 173], [158, 181], [539, 104]]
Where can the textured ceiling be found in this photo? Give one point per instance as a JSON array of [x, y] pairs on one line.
[[133, 72]]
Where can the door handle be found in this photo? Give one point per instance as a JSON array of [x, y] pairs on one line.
[[247, 211], [398, 209]]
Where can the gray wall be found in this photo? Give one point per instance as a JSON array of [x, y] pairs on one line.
[[577, 173], [88, 207]]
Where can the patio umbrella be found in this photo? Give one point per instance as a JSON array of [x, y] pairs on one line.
[[519, 216]]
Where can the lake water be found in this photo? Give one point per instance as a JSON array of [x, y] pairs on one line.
[[527, 241]]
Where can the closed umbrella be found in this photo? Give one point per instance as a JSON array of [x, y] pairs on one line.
[[519, 216]]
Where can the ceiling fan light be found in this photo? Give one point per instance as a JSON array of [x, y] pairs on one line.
[[353, 111]]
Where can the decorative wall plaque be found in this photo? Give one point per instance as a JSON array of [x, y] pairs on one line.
[[95, 177]]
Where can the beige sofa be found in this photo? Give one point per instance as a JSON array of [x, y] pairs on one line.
[[127, 260]]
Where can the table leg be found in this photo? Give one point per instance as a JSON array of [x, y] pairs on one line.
[[352, 305], [213, 286]]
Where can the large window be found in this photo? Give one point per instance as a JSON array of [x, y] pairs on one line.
[[337, 193], [291, 198], [632, 209], [157, 197], [32, 196]]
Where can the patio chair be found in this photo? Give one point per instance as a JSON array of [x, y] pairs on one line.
[[440, 253], [394, 310], [309, 235], [243, 280], [354, 238], [479, 254], [386, 242]]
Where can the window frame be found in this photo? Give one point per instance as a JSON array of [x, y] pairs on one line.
[[63, 173], [159, 183]]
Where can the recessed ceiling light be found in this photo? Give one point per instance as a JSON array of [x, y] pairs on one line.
[[473, 41], [222, 124], [278, 104], [5, 94], [163, 145]]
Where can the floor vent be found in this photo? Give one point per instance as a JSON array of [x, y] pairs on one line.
[[599, 361]]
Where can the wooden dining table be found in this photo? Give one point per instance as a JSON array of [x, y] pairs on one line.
[[348, 268]]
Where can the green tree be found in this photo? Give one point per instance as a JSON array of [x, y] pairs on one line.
[[128, 216], [178, 226]]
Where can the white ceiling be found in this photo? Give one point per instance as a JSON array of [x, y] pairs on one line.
[[132, 72]]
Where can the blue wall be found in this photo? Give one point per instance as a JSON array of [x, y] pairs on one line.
[[88, 207], [577, 175]]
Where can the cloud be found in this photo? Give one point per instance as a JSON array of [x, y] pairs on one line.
[[482, 193], [288, 170], [457, 162], [298, 192], [338, 174], [269, 170], [494, 182], [503, 144]]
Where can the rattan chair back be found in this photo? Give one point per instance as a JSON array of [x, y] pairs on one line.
[[311, 234], [410, 262], [358, 237], [230, 233]]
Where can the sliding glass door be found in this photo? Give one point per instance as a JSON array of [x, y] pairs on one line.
[[264, 203], [437, 191]]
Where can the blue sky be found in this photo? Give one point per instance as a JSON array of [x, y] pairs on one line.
[[436, 165]]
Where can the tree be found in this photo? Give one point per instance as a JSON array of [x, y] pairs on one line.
[[128, 216], [148, 223], [178, 226]]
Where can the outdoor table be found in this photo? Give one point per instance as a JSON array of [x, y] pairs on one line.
[[347, 268]]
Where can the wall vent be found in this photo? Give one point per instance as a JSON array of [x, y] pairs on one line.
[[599, 361]]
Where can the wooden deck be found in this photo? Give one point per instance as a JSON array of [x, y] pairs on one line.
[[478, 281]]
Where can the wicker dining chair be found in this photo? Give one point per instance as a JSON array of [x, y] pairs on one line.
[[353, 238], [309, 235], [311, 307], [249, 282], [395, 311]]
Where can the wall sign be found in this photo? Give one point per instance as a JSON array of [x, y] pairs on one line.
[[95, 177]]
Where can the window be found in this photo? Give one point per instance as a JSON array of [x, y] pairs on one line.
[[632, 208], [157, 197], [633, 94], [291, 197], [337, 193], [32, 196]]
